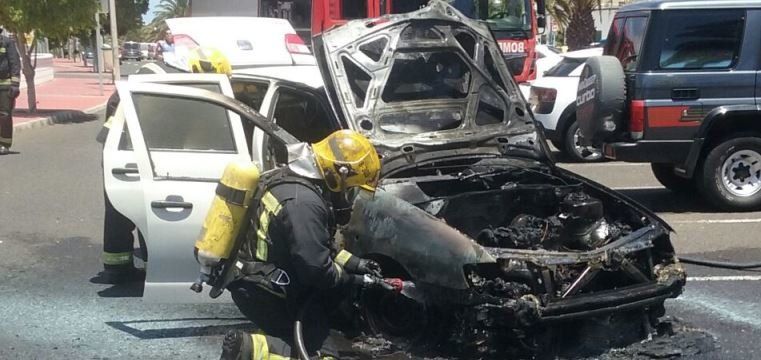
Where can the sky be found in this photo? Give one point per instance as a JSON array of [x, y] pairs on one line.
[[151, 7]]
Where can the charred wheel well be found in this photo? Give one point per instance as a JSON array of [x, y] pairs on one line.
[[391, 268]]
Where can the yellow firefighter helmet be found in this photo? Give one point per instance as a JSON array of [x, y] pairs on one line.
[[209, 60], [347, 159]]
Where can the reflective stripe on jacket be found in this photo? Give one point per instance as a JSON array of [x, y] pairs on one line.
[[293, 232]]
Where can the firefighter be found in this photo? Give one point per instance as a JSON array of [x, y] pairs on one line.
[[290, 255], [10, 80], [118, 240]]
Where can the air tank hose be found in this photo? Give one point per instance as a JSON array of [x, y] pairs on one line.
[[298, 336]]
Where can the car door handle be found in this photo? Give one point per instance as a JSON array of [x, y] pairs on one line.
[[166, 204], [123, 171], [129, 168], [685, 94]]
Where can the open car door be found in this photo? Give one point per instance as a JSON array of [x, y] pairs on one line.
[[183, 137], [120, 174]]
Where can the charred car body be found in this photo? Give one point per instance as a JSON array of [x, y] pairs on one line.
[[472, 209]]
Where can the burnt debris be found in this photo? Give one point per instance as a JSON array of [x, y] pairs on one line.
[[579, 224]]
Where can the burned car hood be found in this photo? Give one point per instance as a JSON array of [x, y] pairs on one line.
[[423, 81]]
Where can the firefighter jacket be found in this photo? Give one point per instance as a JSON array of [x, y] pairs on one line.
[[294, 232], [10, 66]]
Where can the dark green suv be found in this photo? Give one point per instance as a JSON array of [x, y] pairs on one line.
[[679, 87]]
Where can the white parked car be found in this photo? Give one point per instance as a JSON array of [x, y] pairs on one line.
[[246, 41], [553, 101], [546, 58]]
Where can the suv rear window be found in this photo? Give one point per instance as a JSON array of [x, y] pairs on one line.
[[625, 40], [702, 39], [565, 66]]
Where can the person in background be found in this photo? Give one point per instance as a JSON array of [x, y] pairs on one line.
[[165, 46], [10, 80]]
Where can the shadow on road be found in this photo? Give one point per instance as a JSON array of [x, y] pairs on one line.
[[133, 288], [60, 116], [130, 327], [666, 201]]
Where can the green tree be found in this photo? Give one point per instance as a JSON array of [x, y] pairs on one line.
[[166, 9], [56, 19], [575, 16], [130, 13]]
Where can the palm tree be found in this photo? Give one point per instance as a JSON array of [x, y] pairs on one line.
[[575, 16], [167, 9]]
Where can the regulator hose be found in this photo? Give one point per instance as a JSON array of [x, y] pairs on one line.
[[719, 264], [298, 336]]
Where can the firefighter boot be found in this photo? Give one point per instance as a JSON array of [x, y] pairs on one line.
[[237, 346]]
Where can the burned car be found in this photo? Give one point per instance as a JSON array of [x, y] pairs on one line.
[[472, 211], [494, 241]]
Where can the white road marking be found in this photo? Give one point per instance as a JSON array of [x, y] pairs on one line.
[[625, 188], [724, 307], [714, 221], [603, 164], [725, 278]]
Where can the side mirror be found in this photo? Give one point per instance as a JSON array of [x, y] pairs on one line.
[[541, 24]]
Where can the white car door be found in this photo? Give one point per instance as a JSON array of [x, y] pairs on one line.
[[120, 174], [183, 138]]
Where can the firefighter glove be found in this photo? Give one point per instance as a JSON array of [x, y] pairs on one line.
[[13, 91], [369, 267]]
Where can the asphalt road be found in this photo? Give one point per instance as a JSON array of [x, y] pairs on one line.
[[50, 243]]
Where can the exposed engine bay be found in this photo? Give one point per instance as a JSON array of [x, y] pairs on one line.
[[534, 245]]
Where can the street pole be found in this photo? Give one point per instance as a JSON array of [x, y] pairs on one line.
[[98, 51], [114, 40]]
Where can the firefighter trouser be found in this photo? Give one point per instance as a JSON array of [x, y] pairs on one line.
[[6, 117], [118, 241], [274, 317]]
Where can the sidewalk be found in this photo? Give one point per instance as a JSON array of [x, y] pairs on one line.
[[61, 100], [68, 66]]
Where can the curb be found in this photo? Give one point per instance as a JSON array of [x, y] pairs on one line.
[[64, 116]]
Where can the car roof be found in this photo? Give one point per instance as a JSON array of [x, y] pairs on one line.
[[308, 75], [585, 53], [689, 4]]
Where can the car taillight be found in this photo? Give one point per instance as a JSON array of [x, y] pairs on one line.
[[542, 99], [637, 119], [182, 40], [295, 45]]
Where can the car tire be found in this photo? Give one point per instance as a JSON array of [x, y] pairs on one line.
[[601, 99], [730, 176], [573, 148], [665, 175]]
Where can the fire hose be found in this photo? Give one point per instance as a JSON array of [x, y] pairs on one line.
[[719, 264], [394, 284]]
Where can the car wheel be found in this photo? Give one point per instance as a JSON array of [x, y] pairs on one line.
[[731, 174], [572, 146], [664, 173]]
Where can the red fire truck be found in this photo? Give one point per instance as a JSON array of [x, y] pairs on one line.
[[515, 23]]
